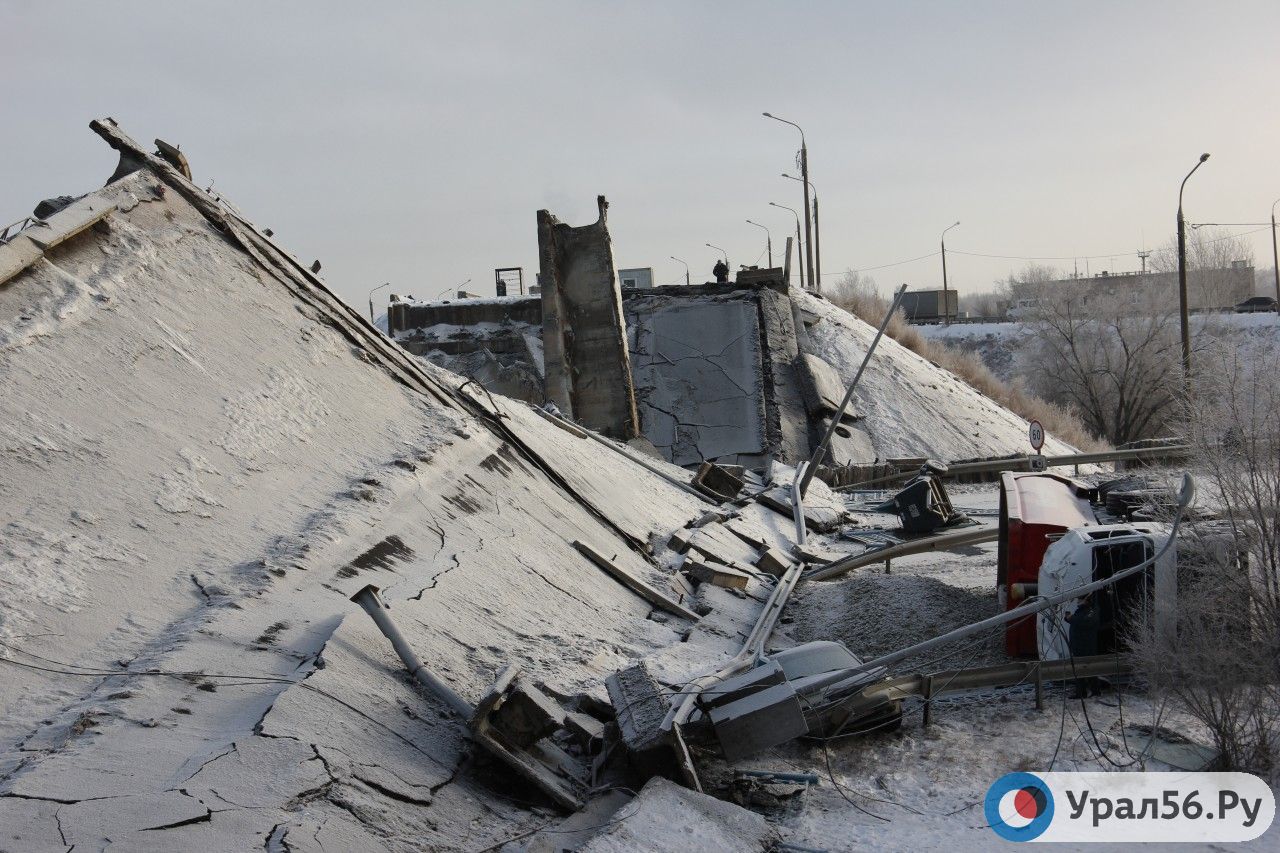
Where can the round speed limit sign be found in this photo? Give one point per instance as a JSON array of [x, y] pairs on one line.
[[1036, 434]]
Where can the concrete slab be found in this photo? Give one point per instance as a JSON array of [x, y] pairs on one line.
[[698, 377]]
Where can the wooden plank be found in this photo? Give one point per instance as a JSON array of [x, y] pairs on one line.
[[69, 221], [634, 584], [16, 255]]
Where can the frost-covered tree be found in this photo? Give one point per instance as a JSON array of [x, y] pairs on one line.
[[1113, 358]]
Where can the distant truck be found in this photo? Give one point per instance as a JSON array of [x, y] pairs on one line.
[[926, 306]]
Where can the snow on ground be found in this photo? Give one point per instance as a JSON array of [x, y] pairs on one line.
[[1006, 348], [203, 455], [912, 407]]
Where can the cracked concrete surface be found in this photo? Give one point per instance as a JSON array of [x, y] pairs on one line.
[[217, 690], [698, 376]]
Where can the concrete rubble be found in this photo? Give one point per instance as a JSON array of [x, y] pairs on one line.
[[206, 455]]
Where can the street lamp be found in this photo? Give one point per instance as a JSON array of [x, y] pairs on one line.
[[686, 269], [817, 231], [388, 284], [1275, 256], [768, 240], [721, 251], [946, 304], [1182, 279], [800, 264], [804, 173]]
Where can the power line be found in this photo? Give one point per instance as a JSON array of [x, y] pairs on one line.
[[1265, 226]]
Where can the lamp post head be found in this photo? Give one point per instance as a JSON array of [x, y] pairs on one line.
[[767, 115], [1204, 157]]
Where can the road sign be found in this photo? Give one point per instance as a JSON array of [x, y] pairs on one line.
[[1036, 434]]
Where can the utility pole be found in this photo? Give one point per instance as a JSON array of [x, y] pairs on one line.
[[804, 175], [1183, 311], [768, 240], [946, 303], [1144, 254], [686, 269], [797, 216], [817, 242], [1275, 255], [817, 231]]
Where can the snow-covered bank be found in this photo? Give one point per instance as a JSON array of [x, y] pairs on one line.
[[912, 407]]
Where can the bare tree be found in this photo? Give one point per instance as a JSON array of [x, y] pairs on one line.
[[1223, 663], [857, 293], [1211, 252], [1107, 356]]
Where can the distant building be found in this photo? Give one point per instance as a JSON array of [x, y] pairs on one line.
[[1207, 290], [639, 277]]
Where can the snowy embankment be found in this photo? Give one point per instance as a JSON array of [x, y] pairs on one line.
[[203, 454], [1007, 348], [910, 406]]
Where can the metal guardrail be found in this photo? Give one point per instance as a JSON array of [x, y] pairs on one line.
[[1024, 463]]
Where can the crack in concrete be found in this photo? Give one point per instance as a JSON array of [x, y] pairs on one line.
[[550, 583], [435, 579]]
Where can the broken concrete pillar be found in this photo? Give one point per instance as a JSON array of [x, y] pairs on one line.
[[587, 365]]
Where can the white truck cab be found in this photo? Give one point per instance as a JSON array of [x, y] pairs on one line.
[[1086, 554]]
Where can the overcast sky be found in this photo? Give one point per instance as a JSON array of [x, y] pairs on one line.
[[414, 142]]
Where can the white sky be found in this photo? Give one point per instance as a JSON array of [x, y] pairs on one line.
[[413, 142]]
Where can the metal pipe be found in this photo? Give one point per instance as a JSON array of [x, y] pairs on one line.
[[968, 536], [752, 648], [368, 599], [797, 503], [821, 450]]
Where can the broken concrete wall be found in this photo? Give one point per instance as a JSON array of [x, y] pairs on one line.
[[586, 363], [786, 426], [698, 376], [405, 316]]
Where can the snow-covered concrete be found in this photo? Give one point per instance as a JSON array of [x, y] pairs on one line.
[[911, 406]]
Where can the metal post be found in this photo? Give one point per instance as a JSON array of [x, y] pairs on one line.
[[768, 240], [368, 599], [371, 292], [926, 685], [1039, 686], [821, 450], [804, 176], [946, 303], [1183, 311], [808, 234], [686, 269], [1275, 255], [817, 241], [797, 216]]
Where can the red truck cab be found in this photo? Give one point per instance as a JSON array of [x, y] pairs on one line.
[[1034, 509]]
